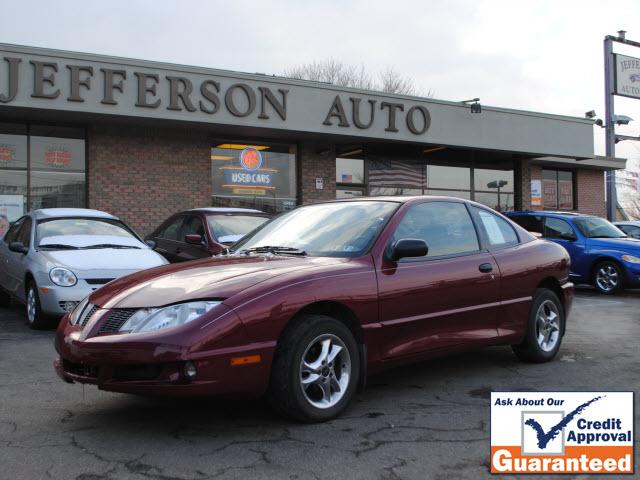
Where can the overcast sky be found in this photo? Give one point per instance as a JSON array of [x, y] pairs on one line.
[[534, 55]]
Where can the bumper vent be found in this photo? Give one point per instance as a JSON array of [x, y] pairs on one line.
[[98, 281], [86, 316], [115, 319]]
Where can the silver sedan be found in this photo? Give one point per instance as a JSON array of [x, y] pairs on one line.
[[51, 259]]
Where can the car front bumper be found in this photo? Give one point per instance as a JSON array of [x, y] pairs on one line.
[[55, 300], [115, 363]]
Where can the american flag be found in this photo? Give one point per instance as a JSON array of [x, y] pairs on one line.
[[386, 173], [347, 178]]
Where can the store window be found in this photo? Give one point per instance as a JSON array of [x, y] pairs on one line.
[[557, 189], [350, 177], [260, 176], [494, 187], [40, 167]]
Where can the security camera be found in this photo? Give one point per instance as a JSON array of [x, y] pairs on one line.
[[590, 114], [622, 119]]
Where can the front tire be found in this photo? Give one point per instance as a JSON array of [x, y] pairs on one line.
[[36, 319], [608, 277], [315, 371], [544, 329]]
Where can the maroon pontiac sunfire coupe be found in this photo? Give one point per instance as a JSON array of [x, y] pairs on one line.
[[305, 306]]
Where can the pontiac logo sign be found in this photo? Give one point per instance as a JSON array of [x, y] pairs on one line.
[[250, 159]]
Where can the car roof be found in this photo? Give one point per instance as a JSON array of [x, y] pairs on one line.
[[70, 212], [544, 213], [398, 199], [635, 223], [225, 210]]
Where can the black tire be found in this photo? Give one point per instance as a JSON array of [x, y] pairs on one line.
[[608, 277], [533, 348], [286, 392], [5, 298], [37, 320]]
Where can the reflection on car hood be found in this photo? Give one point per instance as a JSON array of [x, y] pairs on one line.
[[89, 240], [84, 262], [622, 244], [219, 277]]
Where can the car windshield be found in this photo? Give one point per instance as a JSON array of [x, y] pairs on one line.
[[595, 227], [76, 232], [231, 228], [341, 229]]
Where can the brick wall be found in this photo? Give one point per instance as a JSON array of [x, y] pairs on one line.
[[591, 198], [316, 161], [589, 186], [143, 175]]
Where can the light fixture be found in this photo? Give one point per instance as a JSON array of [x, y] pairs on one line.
[[352, 152], [590, 114], [434, 149], [238, 146], [475, 105], [221, 157], [622, 119]]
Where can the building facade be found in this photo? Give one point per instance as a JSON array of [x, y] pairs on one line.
[[143, 140]]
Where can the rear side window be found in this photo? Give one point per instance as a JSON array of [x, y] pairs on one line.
[[171, 231], [531, 223], [558, 228], [446, 227], [497, 230]]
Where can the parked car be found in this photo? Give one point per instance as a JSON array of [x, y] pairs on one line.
[[53, 258], [306, 305], [630, 227], [601, 254], [203, 232]]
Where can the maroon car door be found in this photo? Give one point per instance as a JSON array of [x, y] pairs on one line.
[[448, 297]]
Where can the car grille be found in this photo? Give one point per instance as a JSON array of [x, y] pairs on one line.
[[85, 317], [115, 319], [98, 281]]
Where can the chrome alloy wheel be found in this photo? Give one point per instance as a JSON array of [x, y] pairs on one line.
[[31, 305], [547, 325], [607, 277], [325, 371]]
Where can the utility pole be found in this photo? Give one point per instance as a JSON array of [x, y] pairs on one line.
[[610, 133]]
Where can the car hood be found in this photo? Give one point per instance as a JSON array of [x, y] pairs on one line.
[[213, 278], [84, 263], [621, 244]]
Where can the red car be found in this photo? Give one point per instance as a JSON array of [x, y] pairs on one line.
[[304, 307], [203, 232]]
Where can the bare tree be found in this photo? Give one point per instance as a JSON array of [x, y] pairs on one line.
[[339, 73]]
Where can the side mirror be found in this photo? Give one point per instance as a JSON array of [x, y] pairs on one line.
[[193, 239], [536, 234], [152, 244], [18, 247], [408, 247]]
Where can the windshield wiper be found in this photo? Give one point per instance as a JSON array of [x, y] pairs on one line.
[[58, 246], [109, 245], [275, 250]]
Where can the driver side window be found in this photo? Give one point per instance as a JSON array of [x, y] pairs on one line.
[[446, 227], [12, 233]]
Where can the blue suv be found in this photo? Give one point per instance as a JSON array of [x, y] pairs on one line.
[[601, 254]]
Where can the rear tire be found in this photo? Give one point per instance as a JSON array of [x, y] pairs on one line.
[[36, 319], [608, 277], [544, 329], [315, 371]]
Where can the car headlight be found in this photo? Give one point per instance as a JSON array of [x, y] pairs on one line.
[[631, 259], [151, 319], [77, 312], [63, 277]]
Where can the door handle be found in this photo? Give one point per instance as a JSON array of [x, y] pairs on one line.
[[485, 267]]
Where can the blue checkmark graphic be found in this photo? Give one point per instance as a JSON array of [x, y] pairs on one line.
[[545, 437]]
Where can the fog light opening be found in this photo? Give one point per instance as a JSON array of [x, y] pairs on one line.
[[68, 306], [190, 371]]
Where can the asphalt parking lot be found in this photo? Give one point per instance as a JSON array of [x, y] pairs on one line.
[[423, 421]]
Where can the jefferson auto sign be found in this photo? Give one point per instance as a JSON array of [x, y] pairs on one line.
[[627, 76]]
